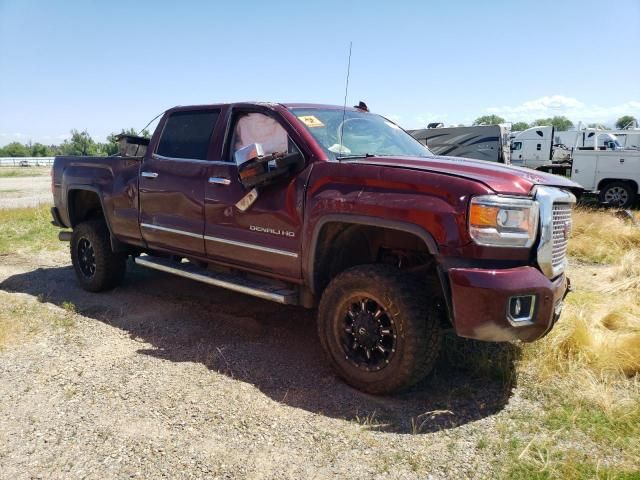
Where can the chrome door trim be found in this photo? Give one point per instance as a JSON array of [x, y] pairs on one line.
[[155, 156], [252, 246], [170, 230], [222, 240]]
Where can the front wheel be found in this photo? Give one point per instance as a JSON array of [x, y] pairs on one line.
[[617, 194], [379, 330], [97, 267]]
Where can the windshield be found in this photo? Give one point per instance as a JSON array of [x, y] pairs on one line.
[[358, 134]]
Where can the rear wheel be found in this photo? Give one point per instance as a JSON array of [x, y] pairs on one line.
[[97, 267], [378, 328], [617, 194]]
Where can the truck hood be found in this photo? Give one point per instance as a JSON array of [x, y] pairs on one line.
[[504, 179]]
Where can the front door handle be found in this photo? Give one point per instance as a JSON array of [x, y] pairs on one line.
[[149, 174], [219, 180]]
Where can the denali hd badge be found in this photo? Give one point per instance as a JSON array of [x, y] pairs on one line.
[[272, 231]]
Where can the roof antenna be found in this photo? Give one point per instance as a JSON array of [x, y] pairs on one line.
[[346, 90], [150, 122]]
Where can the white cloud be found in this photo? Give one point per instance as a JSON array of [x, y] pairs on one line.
[[570, 107]]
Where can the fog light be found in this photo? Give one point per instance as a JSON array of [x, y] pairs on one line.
[[520, 309]]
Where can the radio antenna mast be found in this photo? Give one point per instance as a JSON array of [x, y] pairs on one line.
[[346, 90]]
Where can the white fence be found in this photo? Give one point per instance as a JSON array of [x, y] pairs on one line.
[[26, 161]]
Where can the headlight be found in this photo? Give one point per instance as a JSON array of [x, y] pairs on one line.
[[503, 221]]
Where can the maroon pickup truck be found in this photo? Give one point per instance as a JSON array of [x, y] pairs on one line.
[[328, 208]]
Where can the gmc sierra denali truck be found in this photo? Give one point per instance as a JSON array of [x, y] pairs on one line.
[[328, 208]]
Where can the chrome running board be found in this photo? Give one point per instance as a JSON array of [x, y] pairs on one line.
[[229, 281]]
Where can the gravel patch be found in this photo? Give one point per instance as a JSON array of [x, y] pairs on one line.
[[22, 192], [164, 377]]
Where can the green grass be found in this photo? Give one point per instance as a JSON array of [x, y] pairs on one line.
[[27, 229], [9, 172], [568, 441], [605, 429], [570, 466]]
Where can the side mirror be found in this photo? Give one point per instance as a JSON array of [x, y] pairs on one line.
[[256, 169], [250, 152]]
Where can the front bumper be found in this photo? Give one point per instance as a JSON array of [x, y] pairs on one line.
[[479, 300]]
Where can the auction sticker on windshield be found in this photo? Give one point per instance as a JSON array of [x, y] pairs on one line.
[[311, 121]]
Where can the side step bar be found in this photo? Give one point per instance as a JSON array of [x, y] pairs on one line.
[[229, 281]]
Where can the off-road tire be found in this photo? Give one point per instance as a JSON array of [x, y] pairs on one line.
[[407, 302], [108, 267], [623, 188]]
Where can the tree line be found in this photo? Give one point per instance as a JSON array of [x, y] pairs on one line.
[[560, 123], [80, 143]]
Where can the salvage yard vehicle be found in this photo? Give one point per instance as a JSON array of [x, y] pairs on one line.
[[329, 208], [482, 142]]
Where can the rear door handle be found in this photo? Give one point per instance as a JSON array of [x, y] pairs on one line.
[[149, 174], [219, 180]]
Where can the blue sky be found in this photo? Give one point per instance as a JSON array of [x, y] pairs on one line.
[[113, 64]]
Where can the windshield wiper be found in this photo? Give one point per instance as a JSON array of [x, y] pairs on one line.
[[347, 157]]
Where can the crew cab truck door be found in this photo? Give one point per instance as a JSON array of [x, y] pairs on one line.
[[266, 236], [172, 182]]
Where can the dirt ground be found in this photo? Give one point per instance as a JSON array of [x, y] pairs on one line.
[[19, 192], [165, 377]]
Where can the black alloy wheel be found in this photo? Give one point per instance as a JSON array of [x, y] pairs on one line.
[[96, 265], [86, 258], [369, 337], [379, 327]]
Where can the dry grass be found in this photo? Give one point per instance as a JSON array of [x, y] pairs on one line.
[[601, 237], [600, 328], [598, 332], [625, 276], [586, 372]]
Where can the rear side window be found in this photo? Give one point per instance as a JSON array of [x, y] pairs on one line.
[[187, 134]]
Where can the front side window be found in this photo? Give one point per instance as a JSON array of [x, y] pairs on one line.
[[187, 134], [517, 145], [357, 134], [259, 128]]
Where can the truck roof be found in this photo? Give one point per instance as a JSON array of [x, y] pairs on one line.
[[290, 105]]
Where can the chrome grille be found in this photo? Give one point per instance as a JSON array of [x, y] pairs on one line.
[[561, 230], [555, 211]]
